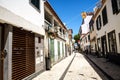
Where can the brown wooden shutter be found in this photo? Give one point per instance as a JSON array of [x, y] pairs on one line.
[[23, 55]]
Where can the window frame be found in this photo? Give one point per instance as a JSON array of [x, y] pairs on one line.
[[91, 26], [104, 16], [115, 6], [118, 5], [112, 40], [99, 44], [98, 23], [39, 39], [34, 6]]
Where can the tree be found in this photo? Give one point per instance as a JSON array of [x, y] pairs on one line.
[[76, 38]]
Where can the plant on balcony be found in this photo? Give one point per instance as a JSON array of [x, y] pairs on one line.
[[52, 35]]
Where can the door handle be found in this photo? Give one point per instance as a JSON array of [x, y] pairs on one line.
[[3, 54]]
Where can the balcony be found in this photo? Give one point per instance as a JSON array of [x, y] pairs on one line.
[[53, 30], [47, 25], [61, 35]]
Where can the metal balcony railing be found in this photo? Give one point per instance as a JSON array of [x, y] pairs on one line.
[[47, 25], [60, 34]]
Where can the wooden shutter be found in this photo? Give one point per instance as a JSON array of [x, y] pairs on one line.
[[23, 59], [100, 24], [97, 24], [114, 6], [104, 16]]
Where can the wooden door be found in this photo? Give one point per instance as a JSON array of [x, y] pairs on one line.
[[104, 45], [23, 59]]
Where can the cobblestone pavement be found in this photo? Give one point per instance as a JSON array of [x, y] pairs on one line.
[[106, 66], [56, 71], [80, 69]]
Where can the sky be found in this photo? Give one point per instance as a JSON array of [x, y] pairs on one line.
[[69, 11]]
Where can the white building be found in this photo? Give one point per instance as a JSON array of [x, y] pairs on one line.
[[84, 32], [55, 37], [85, 25], [21, 38], [107, 25]]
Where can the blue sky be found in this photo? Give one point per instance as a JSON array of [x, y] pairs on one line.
[[69, 11]]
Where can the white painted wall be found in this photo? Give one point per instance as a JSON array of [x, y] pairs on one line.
[[84, 44], [87, 19], [85, 25], [85, 30], [20, 13]]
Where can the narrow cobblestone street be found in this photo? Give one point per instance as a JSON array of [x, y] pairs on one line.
[[60, 40], [81, 69]]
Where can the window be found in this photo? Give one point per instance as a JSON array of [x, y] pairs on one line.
[[104, 16], [60, 30], [39, 40], [91, 26], [36, 4], [115, 6], [112, 42], [118, 4], [86, 39], [98, 23], [63, 32], [99, 19], [99, 44]]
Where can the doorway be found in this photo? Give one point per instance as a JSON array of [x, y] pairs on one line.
[[23, 54], [1, 49], [104, 46]]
